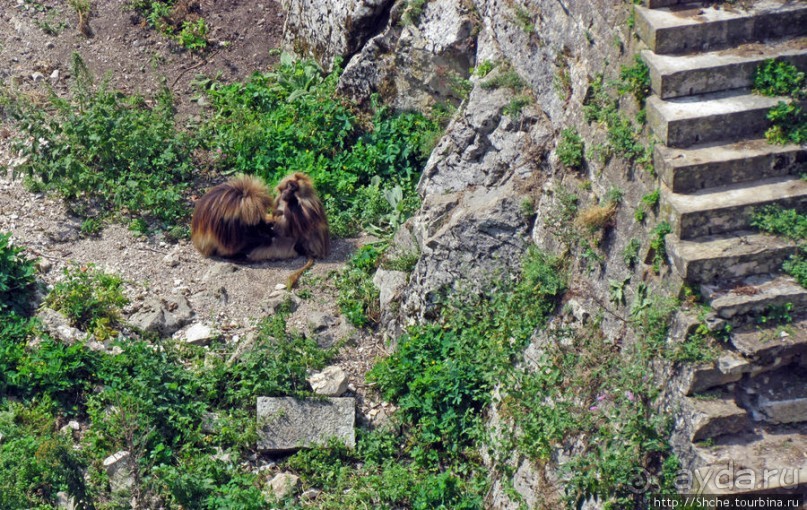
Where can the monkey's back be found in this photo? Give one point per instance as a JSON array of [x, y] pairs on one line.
[[232, 217]]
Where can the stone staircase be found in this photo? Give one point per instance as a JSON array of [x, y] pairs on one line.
[[748, 409]]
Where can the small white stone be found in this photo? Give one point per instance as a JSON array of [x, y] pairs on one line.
[[199, 334], [280, 286], [283, 484], [331, 382]]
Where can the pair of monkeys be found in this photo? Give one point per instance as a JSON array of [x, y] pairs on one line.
[[240, 217]]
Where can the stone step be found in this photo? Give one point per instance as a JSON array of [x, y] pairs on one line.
[[740, 301], [712, 165], [686, 75], [708, 417], [771, 344], [764, 460], [722, 116], [728, 208], [728, 256], [761, 356], [699, 377], [777, 397], [695, 27]]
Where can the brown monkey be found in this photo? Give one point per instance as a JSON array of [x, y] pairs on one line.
[[300, 220], [233, 218]]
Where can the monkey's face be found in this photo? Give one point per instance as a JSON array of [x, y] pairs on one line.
[[289, 190]]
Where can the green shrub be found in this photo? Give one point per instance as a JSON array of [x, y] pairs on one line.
[[193, 35], [570, 148], [789, 124], [658, 245], [290, 120], [358, 296], [635, 79], [16, 278], [789, 223], [631, 252], [441, 376], [89, 298], [37, 461], [777, 220], [624, 137], [796, 266], [779, 78], [102, 149]]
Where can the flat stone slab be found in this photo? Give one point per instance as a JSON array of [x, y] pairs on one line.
[[727, 115], [728, 208], [696, 27], [754, 294], [699, 377], [733, 68], [745, 458], [778, 397], [703, 166], [728, 256], [713, 417], [287, 423], [774, 343]]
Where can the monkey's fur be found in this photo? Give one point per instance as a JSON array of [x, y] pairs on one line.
[[299, 216], [240, 217], [233, 218]]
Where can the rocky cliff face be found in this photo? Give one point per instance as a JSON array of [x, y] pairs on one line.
[[492, 183]]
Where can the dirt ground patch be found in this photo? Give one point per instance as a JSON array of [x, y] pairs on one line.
[[37, 39]]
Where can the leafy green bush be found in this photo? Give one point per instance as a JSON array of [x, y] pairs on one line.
[[16, 278], [789, 124], [290, 120], [789, 223], [174, 23], [631, 252], [635, 79], [796, 266], [193, 35], [658, 245], [358, 296], [37, 461], [103, 150], [779, 78], [90, 298], [624, 137], [442, 375], [570, 148], [777, 220]]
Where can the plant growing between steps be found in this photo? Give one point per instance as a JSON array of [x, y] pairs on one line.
[[781, 78], [792, 224]]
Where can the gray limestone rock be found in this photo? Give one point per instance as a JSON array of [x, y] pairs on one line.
[[164, 316], [413, 64], [57, 325], [281, 485], [286, 423], [328, 29], [200, 334], [330, 382], [119, 469]]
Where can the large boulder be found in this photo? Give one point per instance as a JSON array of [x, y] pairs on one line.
[[328, 29], [287, 423]]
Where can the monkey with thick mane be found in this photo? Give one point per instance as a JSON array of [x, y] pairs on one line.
[[239, 217]]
